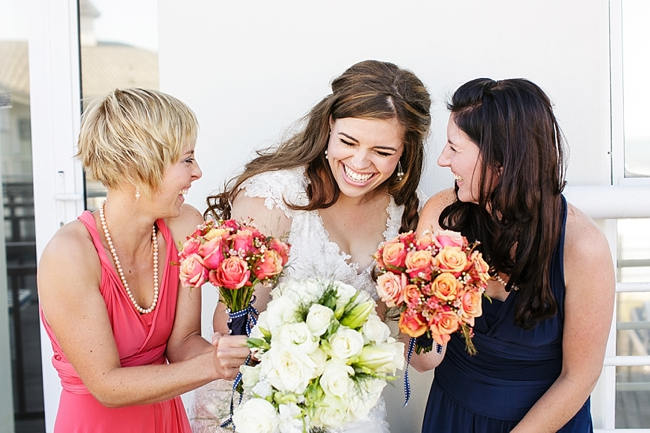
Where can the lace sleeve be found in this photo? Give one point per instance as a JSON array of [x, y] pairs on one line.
[[278, 188]]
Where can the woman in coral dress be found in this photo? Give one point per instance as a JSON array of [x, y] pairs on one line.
[[126, 337]]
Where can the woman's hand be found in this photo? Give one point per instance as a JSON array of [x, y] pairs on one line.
[[231, 352]]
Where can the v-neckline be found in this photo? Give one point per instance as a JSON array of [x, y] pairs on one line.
[[346, 257]]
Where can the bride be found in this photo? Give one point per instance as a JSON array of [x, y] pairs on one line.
[[337, 189]]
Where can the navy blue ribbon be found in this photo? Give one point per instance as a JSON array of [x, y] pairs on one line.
[[409, 354], [252, 314]]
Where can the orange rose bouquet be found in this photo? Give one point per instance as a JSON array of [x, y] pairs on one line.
[[234, 257], [436, 281]]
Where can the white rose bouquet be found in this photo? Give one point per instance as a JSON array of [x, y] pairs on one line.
[[325, 357]]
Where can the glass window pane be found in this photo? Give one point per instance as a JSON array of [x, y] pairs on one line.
[[636, 93], [632, 397], [117, 50], [633, 251]]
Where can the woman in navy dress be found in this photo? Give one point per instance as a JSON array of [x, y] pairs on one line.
[[542, 336]]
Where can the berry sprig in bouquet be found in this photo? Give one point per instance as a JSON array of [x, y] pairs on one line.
[[325, 357], [436, 281], [233, 256]]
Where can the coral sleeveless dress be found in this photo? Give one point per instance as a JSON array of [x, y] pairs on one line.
[[141, 340], [492, 391]]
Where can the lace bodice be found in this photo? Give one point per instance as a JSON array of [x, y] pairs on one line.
[[312, 251]]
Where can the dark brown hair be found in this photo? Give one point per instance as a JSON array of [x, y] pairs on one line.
[[370, 89], [518, 215]]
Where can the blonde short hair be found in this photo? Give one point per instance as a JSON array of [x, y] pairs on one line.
[[133, 135]]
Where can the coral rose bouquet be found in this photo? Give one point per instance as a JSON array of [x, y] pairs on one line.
[[233, 256], [436, 281], [325, 357]]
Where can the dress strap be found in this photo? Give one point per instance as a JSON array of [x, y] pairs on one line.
[[88, 221]]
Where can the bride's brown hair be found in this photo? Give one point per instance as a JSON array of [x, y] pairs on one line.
[[371, 90]]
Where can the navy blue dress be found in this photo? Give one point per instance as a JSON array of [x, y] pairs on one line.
[[493, 390]]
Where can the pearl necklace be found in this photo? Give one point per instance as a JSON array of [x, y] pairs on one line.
[[498, 278], [118, 266]]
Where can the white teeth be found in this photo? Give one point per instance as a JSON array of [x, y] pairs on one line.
[[357, 177], [184, 192], [458, 178]]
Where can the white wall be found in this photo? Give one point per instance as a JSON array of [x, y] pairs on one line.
[[250, 69]]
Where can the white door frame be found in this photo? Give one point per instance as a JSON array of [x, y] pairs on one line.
[[55, 98]]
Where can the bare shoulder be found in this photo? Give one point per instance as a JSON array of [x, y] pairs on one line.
[[586, 250], [70, 252], [433, 208], [185, 223], [272, 222]]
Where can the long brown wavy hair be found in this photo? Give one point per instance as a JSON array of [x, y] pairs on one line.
[[371, 90], [518, 215]]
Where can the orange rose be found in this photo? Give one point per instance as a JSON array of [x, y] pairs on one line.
[[412, 296], [445, 286], [389, 288], [233, 273], [425, 241], [451, 259], [215, 233], [471, 305], [412, 323], [269, 265], [394, 254], [418, 264], [443, 324]]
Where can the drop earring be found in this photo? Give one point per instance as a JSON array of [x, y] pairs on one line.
[[400, 172], [326, 153], [137, 193]]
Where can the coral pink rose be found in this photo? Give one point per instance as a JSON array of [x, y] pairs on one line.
[[192, 272], [412, 323], [418, 264], [233, 273], [394, 254], [269, 265], [481, 268], [281, 248], [190, 247], [231, 224], [212, 253], [452, 259], [412, 296], [242, 241], [389, 288], [448, 238], [445, 286], [425, 241], [471, 303], [443, 324]]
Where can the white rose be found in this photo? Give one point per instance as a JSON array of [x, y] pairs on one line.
[[287, 369], [375, 330], [345, 293], [345, 343], [319, 319], [331, 412], [280, 311], [320, 358], [256, 416], [262, 389], [290, 418], [336, 380], [249, 375], [369, 393], [299, 290], [296, 334]]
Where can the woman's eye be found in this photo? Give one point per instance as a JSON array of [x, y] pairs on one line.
[[189, 160], [348, 143], [383, 153]]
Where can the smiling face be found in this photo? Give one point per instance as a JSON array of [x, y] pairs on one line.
[[462, 156], [177, 179], [363, 153]]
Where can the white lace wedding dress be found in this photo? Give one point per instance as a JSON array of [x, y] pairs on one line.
[[312, 254]]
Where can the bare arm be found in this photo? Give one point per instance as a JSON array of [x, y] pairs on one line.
[[271, 222], [429, 221], [77, 315], [589, 303]]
